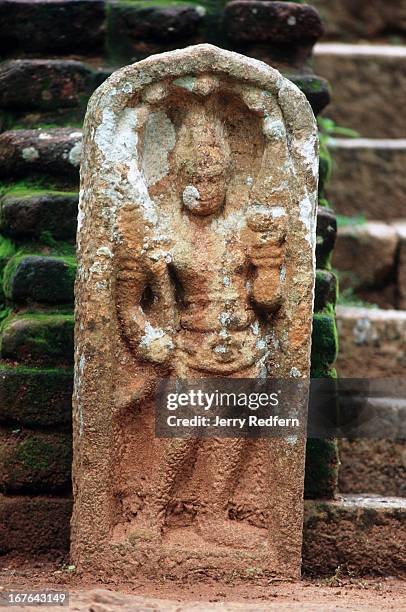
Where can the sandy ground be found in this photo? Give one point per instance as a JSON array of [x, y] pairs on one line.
[[329, 595]]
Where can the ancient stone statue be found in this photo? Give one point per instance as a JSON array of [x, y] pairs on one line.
[[196, 259]]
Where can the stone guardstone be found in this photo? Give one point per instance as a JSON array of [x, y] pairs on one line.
[[196, 248]]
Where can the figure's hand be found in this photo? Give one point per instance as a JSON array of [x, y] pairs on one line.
[[156, 345]]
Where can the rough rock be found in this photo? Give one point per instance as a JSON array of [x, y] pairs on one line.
[[210, 173], [360, 19], [376, 467], [369, 78], [56, 26], [36, 398], [43, 84], [33, 462], [55, 152], [34, 525], [39, 339], [35, 278], [28, 216], [400, 229], [326, 235], [361, 534], [365, 254], [372, 342], [368, 178], [273, 22]]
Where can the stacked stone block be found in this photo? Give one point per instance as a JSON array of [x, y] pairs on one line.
[[42, 102]]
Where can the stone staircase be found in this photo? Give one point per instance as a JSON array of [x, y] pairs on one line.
[[54, 55], [368, 190]]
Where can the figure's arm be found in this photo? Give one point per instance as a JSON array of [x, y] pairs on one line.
[[267, 256], [146, 340]]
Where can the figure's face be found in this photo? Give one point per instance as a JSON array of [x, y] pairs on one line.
[[206, 181]]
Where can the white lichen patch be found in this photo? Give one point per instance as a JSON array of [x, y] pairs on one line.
[[75, 154], [30, 154], [274, 129], [104, 251], [151, 333], [307, 218], [186, 82], [295, 373], [277, 211], [159, 140], [44, 136], [191, 197]]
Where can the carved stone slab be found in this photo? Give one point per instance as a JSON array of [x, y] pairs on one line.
[[196, 247]]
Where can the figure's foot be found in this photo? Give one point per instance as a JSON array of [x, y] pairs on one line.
[[234, 534]]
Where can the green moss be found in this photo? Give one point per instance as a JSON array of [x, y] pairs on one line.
[[36, 462], [321, 472], [343, 221], [36, 398], [31, 187], [324, 342]]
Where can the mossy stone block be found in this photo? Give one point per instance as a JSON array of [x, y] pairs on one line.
[[36, 398], [315, 88], [38, 339], [28, 216], [324, 343], [35, 278], [321, 472], [326, 233], [325, 290], [32, 462]]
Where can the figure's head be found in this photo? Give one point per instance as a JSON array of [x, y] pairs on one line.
[[203, 163]]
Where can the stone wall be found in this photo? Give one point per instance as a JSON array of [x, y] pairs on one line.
[[54, 55]]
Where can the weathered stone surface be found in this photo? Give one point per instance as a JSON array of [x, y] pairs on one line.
[[361, 534], [35, 462], [374, 466], [37, 84], [372, 342], [223, 191], [273, 22], [54, 151], [369, 78], [368, 178], [136, 31], [30, 215], [400, 229], [34, 525], [36, 398], [365, 255], [360, 19], [325, 290], [57, 26], [34, 278], [326, 235], [39, 339]]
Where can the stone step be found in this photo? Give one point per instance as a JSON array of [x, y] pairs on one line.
[[52, 26], [362, 19], [39, 339], [372, 342], [368, 82], [368, 178], [35, 462], [36, 398], [52, 152], [360, 534], [376, 466], [44, 84], [32, 526], [366, 257], [30, 214], [39, 279]]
